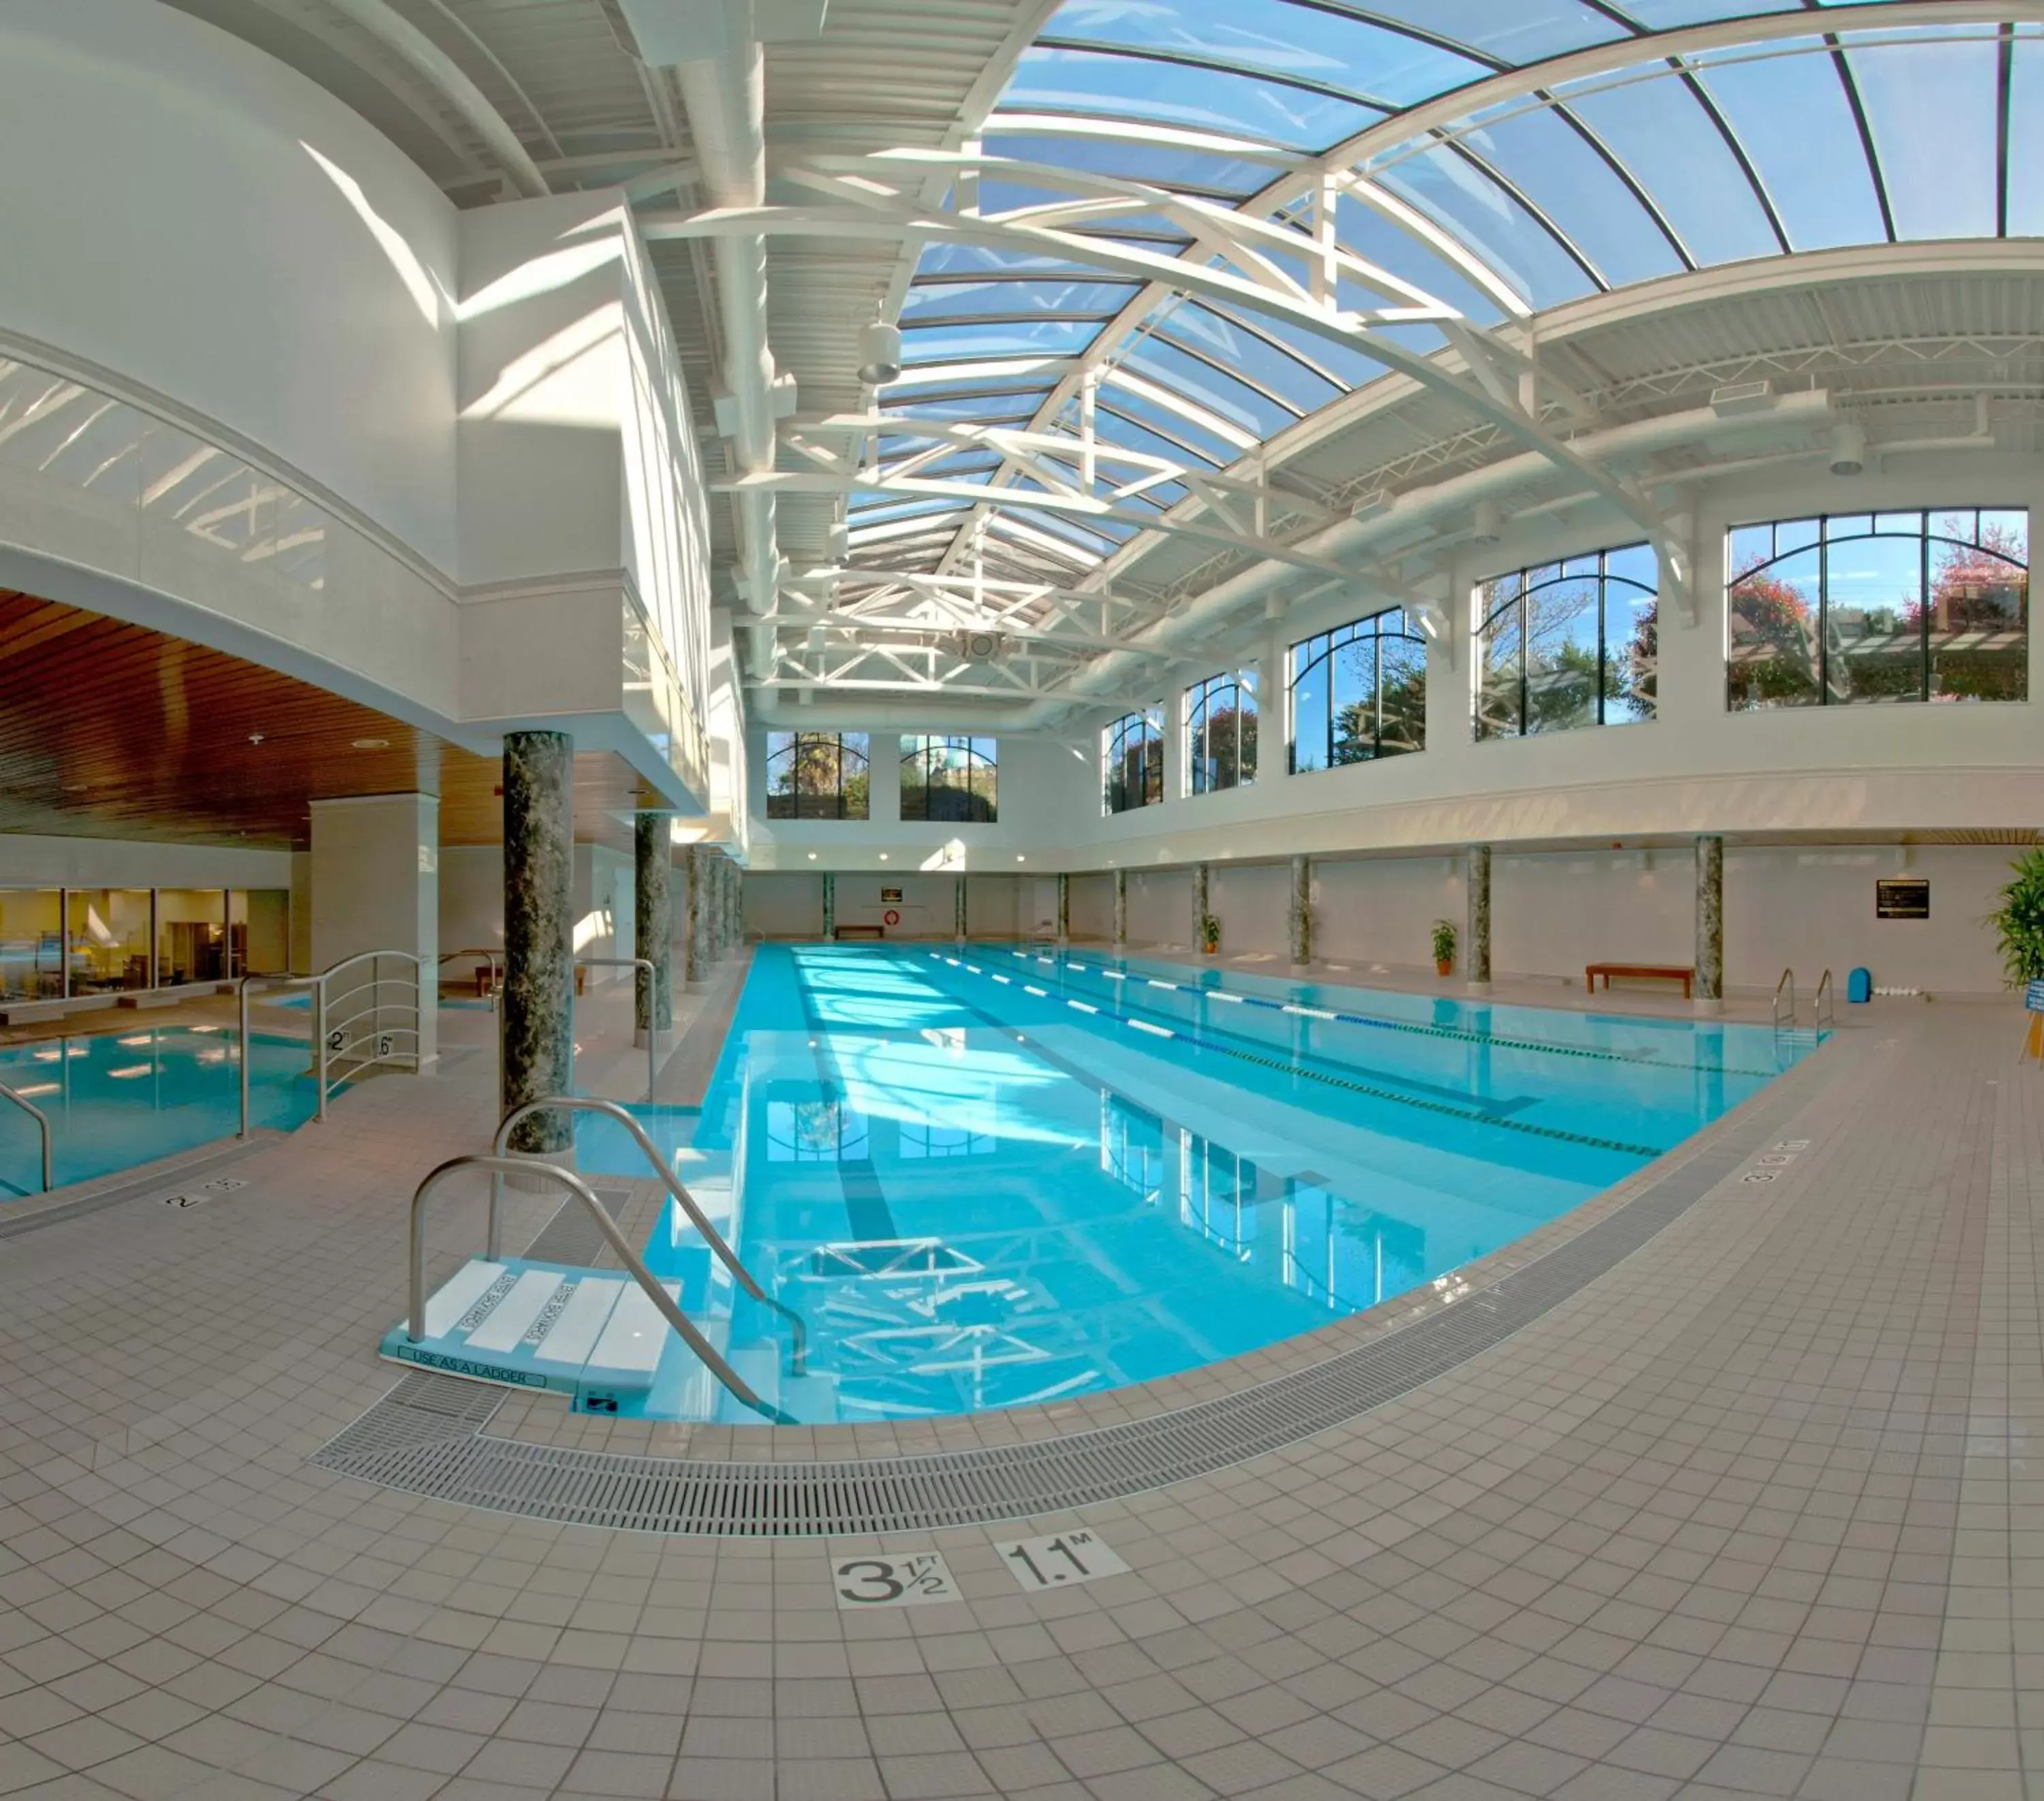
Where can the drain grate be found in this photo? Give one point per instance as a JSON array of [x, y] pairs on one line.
[[571, 1237], [425, 1436]]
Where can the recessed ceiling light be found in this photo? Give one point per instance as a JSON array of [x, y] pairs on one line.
[[883, 856], [76, 787], [372, 744], [255, 737], [1018, 856], [813, 856]]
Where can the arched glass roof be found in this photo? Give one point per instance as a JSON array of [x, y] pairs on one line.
[[1653, 137]]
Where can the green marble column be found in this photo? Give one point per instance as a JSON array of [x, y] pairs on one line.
[[692, 960], [1202, 889], [652, 923], [1476, 953], [1302, 911], [1710, 918], [1064, 907], [538, 1025], [830, 905], [1121, 906], [957, 908]]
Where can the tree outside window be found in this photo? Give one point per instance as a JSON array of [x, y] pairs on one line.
[[1861, 608], [1220, 733], [1358, 692], [1568, 644], [816, 775], [949, 779], [1132, 762]]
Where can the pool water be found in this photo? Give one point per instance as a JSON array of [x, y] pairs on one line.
[[117, 1099], [997, 1179]]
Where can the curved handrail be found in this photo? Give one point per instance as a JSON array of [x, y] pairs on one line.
[[798, 1348], [713, 1359], [1787, 981], [321, 998], [652, 1007], [494, 956], [43, 1122], [1824, 1009]]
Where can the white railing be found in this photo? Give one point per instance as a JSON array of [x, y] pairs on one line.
[[1786, 986], [494, 958], [43, 1124], [365, 1013], [652, 1006]]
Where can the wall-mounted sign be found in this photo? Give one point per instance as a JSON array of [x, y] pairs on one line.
[[890, 896], [1901, 897]]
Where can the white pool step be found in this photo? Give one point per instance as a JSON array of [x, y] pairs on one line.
[[540, 1325]]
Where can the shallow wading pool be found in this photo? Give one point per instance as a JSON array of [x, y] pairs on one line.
[[997, 1178]]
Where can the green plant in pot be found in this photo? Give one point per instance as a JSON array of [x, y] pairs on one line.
[[1444, 946], [1209, 933], [2019, 921]]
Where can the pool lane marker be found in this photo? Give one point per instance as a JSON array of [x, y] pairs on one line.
[[1378, 1024], [1375, 1093]]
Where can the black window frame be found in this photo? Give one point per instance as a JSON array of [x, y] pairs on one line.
[[1310, 653], [790, 745], [1515, 592], [1201, 702], [1143, 729]]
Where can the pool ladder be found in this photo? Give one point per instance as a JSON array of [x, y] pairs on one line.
[[1823, 1014], [43, 1124]]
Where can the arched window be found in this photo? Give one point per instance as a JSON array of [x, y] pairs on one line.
[[950, 779], [1220, 733], [1358, 692], [816, 775], [1863, 607], [1568, 644], [1132, 761]]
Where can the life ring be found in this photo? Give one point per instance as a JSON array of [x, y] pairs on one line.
[[890, 918]]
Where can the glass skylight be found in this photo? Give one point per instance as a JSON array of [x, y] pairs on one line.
[[1657, 155]]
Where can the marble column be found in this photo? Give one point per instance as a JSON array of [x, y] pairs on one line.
[[1710, 918], [1064, 907], [957, 908], [1302, 911], [1121, 906], [1476, 952], [717, 932], [727, 889], [692, 937], [830, 905], [538, 1013], [652, 925], [1202, 887]]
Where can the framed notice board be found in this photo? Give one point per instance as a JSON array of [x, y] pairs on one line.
[[890, 896], [1901, 897]]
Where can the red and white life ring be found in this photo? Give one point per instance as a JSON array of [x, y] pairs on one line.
[[890, 918]]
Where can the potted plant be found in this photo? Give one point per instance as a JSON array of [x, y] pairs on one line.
[[1209, 933], [2019, 921], [1444, 946]]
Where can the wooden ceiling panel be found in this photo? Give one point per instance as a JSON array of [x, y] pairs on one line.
[[109, 730]]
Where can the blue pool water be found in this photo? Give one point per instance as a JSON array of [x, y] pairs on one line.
[[998, 1179], [115, 1100]]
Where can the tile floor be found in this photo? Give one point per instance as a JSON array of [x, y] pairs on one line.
[[1753, 1515]]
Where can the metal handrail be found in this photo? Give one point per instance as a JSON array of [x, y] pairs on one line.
[[1787, 981], [1824, 1010], [713, 1359], [495, 959], [652, 1006], [43, 1122], [798, 1354], [321, 1001]]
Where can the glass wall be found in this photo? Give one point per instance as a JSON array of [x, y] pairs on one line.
[[952, 779], [1358, 692], [1568, 644], [1132, 762], [1859, 608], [817, 775], [1220, 733], [67, 943]]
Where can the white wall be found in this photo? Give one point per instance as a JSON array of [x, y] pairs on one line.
[[237, 239], [1092, 899], [784, 905], [28, 861], [1253, 901]]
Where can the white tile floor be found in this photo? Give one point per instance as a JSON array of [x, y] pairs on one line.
[[1755, 1514]]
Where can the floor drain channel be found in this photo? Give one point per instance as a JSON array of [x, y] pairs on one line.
[[426, 1435]]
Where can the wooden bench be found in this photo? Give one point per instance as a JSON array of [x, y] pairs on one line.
[[1659, 972], [861, 931]]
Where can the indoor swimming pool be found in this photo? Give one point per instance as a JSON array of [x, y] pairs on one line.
[[1005, 1177], [114, 1101]]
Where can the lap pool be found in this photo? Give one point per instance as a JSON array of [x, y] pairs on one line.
[[1005, 1177], [115, 1100]]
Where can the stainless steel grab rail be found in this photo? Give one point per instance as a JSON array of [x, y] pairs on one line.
[[323, 999], [1824, 1014], [652, 1010], [43, 1122], [713, 1359], [1787, 981], [494, 958], [798, 1349]]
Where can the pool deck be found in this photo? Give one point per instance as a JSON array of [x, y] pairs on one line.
[[1752, 1513]]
